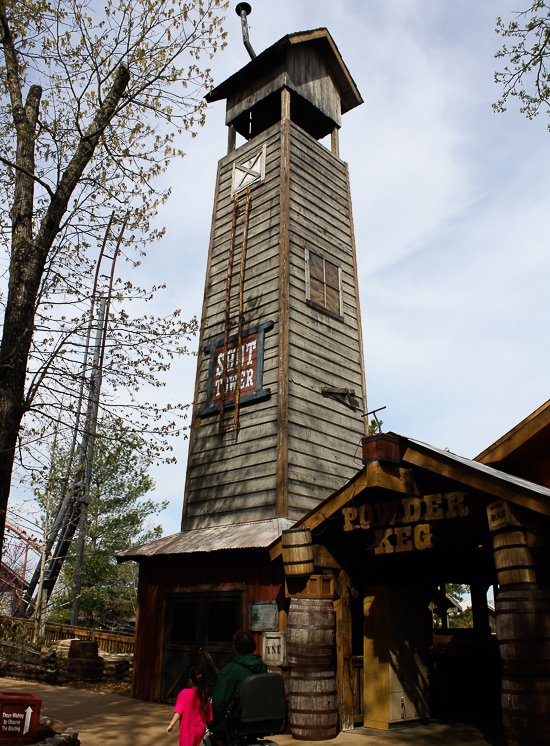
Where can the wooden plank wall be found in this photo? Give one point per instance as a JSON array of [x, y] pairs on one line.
[[233, 478], [324, 435], [159, 576], [311, 78]]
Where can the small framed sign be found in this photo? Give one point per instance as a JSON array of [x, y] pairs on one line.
[[263, 616]]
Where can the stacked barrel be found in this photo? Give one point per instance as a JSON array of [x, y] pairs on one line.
[[523, 631], [313, 704]]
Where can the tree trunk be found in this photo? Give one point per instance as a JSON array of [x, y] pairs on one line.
[[29, 253]]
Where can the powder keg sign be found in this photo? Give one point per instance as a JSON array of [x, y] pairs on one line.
[[405, 525], [233, 368]]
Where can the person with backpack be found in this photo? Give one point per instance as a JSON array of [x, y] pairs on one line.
[[230, 679]]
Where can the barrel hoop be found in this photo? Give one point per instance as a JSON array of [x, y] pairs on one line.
[[313, 712], [504, 547], [321, 625], [302, 693], [299, 562], [296, 546], [525, 566]]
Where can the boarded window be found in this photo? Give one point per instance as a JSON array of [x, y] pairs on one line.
[[248, 170], [324, 284]]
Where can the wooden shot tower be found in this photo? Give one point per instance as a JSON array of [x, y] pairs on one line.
[[280, 393]]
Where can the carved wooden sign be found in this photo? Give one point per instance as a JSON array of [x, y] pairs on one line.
[[226, 369], [233, 367], [405, 525]]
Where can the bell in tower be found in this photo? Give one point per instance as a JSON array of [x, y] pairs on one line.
[[280, 392]]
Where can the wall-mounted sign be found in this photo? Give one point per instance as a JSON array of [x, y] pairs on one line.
[[404, 525], [274, 648], [263, 615], [235, 367]]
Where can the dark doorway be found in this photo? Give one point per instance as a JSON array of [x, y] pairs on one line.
[[198, 631]]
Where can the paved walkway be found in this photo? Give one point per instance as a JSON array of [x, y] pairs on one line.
[[106, 718]]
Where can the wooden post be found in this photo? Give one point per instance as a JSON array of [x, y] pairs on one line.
[[281, 508], [285, 104], [344, 654], [231, 139], [335, 142]]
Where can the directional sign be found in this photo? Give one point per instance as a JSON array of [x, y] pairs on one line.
[[19, 716]]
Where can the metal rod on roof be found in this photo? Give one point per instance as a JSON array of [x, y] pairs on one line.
[[243, 10]]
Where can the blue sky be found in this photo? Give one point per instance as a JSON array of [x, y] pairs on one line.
[[450, 205]]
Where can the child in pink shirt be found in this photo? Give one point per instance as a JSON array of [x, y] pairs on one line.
[[192, 709]]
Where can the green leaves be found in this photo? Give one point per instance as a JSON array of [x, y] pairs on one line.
[[119, 515]]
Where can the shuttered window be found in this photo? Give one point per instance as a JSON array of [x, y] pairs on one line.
[[324, 284]]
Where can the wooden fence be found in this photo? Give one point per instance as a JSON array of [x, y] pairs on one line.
[[21, 631]]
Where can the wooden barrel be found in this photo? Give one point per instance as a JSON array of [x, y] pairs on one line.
[[513, 560], [523, 629], [83, 649], [297, 549], [310, 634], [313, 705], [526, 710]]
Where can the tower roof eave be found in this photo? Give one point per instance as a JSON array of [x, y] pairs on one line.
[[349, 93]]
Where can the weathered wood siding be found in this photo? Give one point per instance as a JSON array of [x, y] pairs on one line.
[[159, 576], [238, 476], [232, 477], [324, 435]]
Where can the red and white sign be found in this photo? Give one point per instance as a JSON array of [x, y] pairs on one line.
[[226, 369], [19, 715]]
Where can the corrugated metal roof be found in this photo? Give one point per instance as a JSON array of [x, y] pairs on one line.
[[484, 469], [232, 536]]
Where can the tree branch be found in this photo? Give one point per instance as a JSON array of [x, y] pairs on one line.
[[29, 174]]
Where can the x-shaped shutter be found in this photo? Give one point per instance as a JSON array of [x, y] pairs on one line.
[[249, 170]]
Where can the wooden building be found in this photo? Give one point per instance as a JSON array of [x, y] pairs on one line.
[[281, 307], [278, 441], [411, 520], [280, 398], [525, 449]]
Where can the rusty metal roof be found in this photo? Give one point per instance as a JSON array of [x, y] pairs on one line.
[[213, 539]]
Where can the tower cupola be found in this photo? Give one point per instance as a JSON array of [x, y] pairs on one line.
[[309, 65]]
